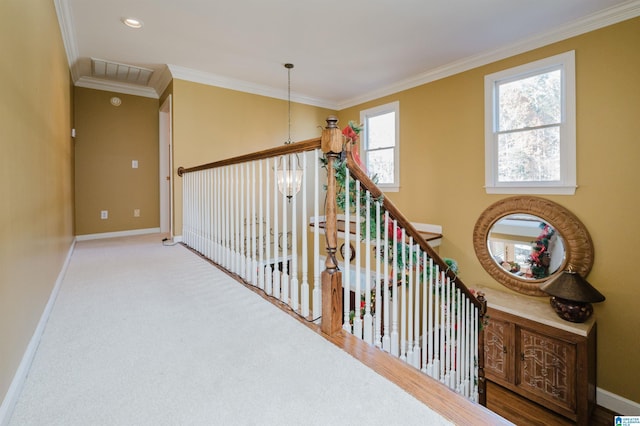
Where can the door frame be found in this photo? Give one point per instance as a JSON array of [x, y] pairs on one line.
[[166, 166]]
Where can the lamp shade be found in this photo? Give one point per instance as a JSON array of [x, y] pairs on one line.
[[289, 175], [569, 285]]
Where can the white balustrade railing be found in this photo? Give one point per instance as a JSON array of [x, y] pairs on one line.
[[427, 317], [423, 317], [398, 294], [236, 216]]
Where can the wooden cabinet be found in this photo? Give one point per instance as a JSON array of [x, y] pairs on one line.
[[548, 362]]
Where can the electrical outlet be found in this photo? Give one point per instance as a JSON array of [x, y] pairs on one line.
[[104, 214], [136, 213], [134, 164]]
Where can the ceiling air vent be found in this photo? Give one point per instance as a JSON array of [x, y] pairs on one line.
[[120, 72]]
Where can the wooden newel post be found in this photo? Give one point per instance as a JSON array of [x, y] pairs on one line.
[[331, 145]]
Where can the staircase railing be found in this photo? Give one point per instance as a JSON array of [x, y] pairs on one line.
[[398, 293]]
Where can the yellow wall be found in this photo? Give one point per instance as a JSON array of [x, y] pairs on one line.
[[211, 124], [108, 138], [36, 163], [442, 176]]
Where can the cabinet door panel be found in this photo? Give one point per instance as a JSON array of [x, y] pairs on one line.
[[547, 368], [497, 345]]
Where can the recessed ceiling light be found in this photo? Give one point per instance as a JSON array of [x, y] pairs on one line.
[[132, 22]]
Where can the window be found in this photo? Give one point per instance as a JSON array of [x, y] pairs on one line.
[[530, 143], [381, 144]]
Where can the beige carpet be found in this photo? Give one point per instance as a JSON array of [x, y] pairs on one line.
[[143, 334]]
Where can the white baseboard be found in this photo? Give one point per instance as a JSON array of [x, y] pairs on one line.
[[616, 403], [11, 398], [117, 234], [177, 238]]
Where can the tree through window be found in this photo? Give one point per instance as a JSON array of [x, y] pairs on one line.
[[530, 142]]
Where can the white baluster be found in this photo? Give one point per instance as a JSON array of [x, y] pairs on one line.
[[475, 331], [276, 248], [260, 266], [268, 272], [246, 224], [427, 311], [395, 343], [294, 251], [212, 207], [217, 205], [417, 309], [368, 319], [221, 212], [465, 349], [317, 289], [438, 336], [357, 320], [235, 243], [185, 208], [206, 213], [240, 190], [378, 258], [402, 293], [253, 264], [458, 336], [192, 212], [448, 330], [216, 214], [304, 226], [284, 277], [386, 338], [227, 219], [409, 303], [346, 278]]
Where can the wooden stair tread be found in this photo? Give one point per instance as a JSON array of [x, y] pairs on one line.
[[427, 236]]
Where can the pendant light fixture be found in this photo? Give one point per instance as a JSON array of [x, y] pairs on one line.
[[289, 172]]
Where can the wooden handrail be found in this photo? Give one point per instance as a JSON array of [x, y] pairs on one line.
[[292, 148]]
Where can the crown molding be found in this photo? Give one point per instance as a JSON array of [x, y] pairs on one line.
[[69, 39], [118, 87], [592, 22], [163, 81], [209, 79]]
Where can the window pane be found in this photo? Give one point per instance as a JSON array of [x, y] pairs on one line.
[[529, 155], [380, 163], [381, 131], [530, 102]]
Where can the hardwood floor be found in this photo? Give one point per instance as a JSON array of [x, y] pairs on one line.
[[523, 412]]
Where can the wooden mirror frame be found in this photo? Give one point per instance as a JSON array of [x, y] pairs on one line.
[[575, 237]]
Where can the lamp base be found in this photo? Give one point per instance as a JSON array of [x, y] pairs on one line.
[[572, 311]]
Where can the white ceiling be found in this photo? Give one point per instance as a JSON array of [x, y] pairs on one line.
[[344, 51]]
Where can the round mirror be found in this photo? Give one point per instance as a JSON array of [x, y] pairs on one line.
[[526, 246], [524, 241]]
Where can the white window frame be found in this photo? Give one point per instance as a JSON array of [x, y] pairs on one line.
[[373, 112], [567, 184]]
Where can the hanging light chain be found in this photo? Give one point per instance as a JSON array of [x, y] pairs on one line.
[[288, 67]]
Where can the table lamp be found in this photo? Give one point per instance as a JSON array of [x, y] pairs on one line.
[[572, 296]]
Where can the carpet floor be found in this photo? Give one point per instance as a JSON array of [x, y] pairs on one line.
[[146, 334]]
